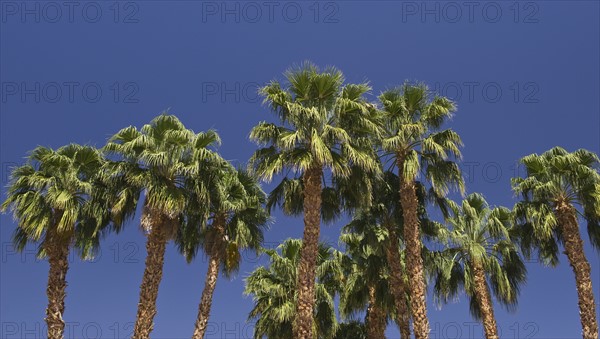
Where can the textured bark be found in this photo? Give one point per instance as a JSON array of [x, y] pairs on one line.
[[567, 219], [303, 324], [375, 317], [484, 299], [414, 261], [211, 280], [155, 248], [57, 250], [398, 286]]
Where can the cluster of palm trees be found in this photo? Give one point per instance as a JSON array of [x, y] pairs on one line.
[[387, 165]]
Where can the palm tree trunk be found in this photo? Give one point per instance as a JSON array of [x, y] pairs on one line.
[[414, 261], [155, 248], [58, 253], [567, 220], [398, 287], [375, 317], [484, 300], [303, 327], [210, 283]]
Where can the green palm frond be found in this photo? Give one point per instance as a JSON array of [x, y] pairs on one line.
[[554, 177], [478, 233], [274, 293], [235, 196], [158, 159], [324, 123], [412, 119], [58, 191]]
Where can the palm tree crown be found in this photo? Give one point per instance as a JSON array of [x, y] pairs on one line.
[[324, 124], [274, 291], [234, 196], [157, 159], [553, 178], [412, 120], [55, 194]]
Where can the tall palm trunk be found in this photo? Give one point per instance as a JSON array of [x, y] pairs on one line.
[[397, 283], [155, 248], [58, 253], [303, 327], [567, 220], [211, 280], [484, 300], [414, 261], [375, 317]]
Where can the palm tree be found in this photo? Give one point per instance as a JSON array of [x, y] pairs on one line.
[[557, 181], [481, 254], [382, 223], [156, 159], [367, 280], [274, 291], [54, 200], [238, 219], [412, 139], [324, 124]]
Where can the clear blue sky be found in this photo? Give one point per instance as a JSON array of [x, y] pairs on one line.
[[528, 75]]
